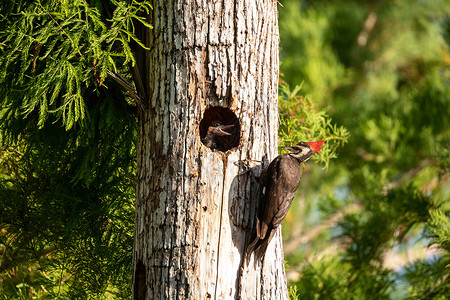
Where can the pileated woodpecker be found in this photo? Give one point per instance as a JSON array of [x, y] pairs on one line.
[[278, 184], [215, 129]]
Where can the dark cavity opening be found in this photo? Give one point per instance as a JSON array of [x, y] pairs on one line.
[[140, 282], [220, 129]]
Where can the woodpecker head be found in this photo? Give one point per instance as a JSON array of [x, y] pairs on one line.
[[217, 128], [304, 150]]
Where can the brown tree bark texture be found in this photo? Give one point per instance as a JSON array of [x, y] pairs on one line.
[[194, 211]]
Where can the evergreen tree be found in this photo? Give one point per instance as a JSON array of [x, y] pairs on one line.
[[67, 137]]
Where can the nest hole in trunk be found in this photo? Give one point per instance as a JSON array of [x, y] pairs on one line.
[[223, 117]]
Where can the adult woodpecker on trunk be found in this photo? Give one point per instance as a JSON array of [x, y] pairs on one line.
[[215, 129], [278, 183]]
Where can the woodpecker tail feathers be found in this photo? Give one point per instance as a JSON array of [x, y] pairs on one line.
[[258, 245]]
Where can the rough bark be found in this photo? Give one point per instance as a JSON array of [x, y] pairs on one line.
[[194, 211]]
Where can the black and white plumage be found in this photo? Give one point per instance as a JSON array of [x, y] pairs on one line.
[[278, 182]]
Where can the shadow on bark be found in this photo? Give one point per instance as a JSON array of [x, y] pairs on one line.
[[243, 201]]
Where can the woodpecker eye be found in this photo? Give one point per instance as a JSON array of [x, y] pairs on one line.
[[219, 129]]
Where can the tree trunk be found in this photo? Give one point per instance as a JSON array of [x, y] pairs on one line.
[[209, 60]]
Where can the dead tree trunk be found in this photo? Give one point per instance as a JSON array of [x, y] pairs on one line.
[[209, 60]]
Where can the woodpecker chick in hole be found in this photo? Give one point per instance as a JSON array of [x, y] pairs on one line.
[[215, 129], [278, 183]]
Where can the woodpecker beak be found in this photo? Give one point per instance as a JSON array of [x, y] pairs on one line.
[[220, 130]]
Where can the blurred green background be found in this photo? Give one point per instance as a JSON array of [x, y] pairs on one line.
[[375, 224]]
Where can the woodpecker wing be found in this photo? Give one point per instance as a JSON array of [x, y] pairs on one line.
[[279, 183], [279, 187]]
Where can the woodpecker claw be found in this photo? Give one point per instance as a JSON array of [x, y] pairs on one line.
[[249, 165]]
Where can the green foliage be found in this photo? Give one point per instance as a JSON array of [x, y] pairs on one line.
[[329, 279], [53, 51], [439, 228], [388, 84], [427, 278], [67, 209], [301, 121], [67, 196], [293, 293], [302, 35]]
